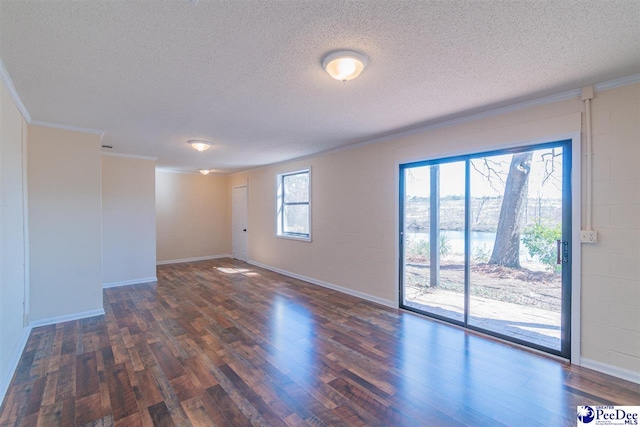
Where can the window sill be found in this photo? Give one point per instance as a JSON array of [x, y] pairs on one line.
[[288, 237]]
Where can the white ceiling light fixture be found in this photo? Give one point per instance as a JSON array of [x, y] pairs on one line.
[[344, 65], [205, 171], [199, 144]]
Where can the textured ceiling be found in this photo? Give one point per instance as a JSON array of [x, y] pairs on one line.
[[247, 74]]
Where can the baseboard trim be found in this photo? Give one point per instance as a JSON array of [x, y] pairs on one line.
[[381, 301], [614, 371], [200, 258], [67, 318], [129, 282], [6, 381]]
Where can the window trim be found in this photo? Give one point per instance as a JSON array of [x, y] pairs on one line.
[[305, 237]]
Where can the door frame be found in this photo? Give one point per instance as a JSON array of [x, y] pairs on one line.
[[575, 145]]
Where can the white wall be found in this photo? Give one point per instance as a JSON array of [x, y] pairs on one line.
[[611, 268], [193, 216], [13, 132], [355, 212], [65, 226], [352, 221], [128, 220]]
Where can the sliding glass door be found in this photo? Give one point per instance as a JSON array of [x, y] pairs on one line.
[[485, 243], [433, 251]]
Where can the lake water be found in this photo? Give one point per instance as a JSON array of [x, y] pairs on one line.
[[480, 241]]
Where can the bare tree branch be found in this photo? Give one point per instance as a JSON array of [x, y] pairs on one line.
[[550, 165], [490, 170]]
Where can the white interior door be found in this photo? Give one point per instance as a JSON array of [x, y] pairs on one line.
[[239, 223]]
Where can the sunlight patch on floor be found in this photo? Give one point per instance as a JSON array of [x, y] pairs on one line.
[[228, 270]]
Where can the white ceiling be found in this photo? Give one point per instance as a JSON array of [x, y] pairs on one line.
[[247, 74]]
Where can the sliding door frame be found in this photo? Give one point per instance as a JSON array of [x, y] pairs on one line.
[[570, 306]]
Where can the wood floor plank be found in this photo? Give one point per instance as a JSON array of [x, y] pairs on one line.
[[133, 420], [199, 373], [121, 394], [34, 400], [87, 379], [224, 343], [160, 415], [171, 366], [148, 390], [388, 415], [183, 388], [50, 415], [213, 411], [226, 406], [89, 408], [13, 407], [197, 413], [66, 382], [352, 417], [170, 399], [256, 401], [469, 417]]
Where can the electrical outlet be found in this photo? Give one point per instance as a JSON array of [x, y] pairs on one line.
[[589, 236]]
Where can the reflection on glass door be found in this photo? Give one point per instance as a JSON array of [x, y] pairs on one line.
[[434, 216], [486, 243]]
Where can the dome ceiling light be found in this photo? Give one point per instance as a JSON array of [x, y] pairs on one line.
[[344, 65], [199, 144], [205, 171]]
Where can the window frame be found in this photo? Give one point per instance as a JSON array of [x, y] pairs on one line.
[[280, 205]]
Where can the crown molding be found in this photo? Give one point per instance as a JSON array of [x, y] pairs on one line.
[[67, 127], [166, 170], [196, 172], [622, 81], [130, 156], [13, 93]]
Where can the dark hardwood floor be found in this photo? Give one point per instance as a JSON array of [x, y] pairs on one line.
[[225, 343]]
